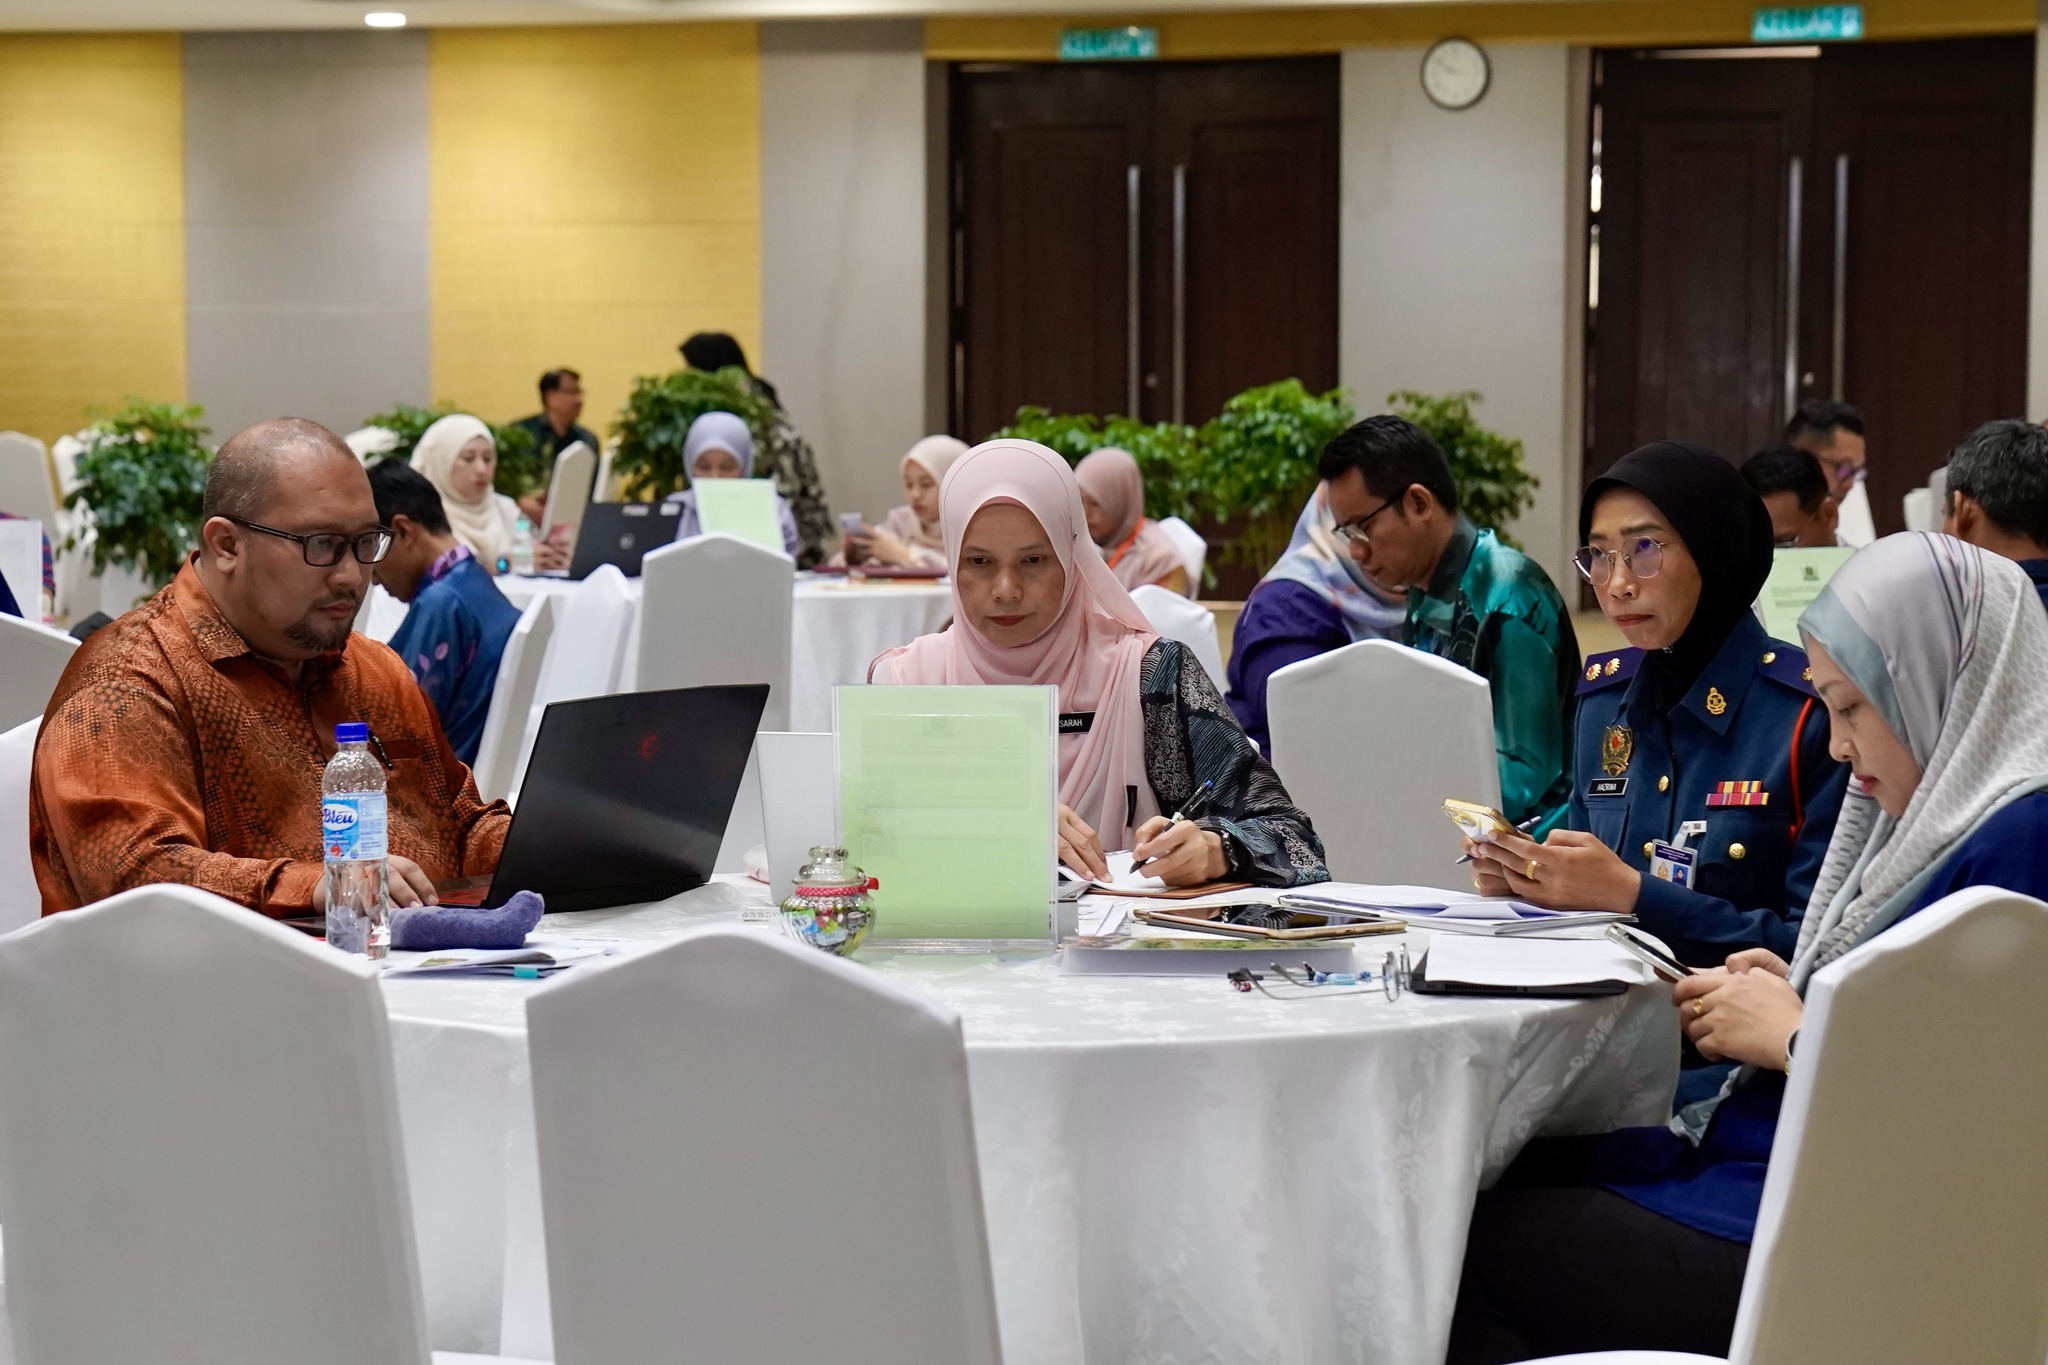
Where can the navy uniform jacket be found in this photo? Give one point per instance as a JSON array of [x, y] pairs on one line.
[[1640, 773]]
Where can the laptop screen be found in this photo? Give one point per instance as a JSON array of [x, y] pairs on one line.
[[627, 796]]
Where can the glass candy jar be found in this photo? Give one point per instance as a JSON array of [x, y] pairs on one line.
[[830, 908]]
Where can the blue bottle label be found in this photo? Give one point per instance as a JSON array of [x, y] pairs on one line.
[[352, 827]]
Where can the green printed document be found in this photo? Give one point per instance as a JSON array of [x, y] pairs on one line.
[[740, 507], [1797, 576], [947, 799]]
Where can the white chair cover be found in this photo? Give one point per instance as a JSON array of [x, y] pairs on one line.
[[1194, 551], [1631, 1358], [1921, 511], [1370, 739], [371, 441], [498, 753], [21, 564], [20, 902], [1905, 1217], [32, 658], [199, 1149], [799, 801], [590, 638], [1180, 618], [26, 488], [1902, 1219], [716, 609], [569, 489], [603, 491], [381, 614], [752, 1151]]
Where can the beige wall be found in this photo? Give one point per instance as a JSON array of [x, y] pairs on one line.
[[843, 246], [1458, 262]]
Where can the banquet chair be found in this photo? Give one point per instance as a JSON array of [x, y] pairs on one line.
[[1920, 511], [20, 902], [569, 489], [21, 564], [716, 609], [753, 1151], [1370, 739], [368, 442], [381, 614], [199, 1154], [1902, 1215], [26, 486], [1194, 551], [32, 658], [1183, 619], [498, 752]]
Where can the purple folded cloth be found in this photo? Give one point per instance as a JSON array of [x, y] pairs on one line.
[[431, 928]]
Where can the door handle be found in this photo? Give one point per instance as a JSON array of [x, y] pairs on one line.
[[1795, 181], [1841, 328], [1132, 357], [1180, 293]]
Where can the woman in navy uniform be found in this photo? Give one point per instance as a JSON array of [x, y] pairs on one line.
[[1707, 733]]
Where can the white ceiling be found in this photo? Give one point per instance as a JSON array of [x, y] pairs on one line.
[[73, 15]]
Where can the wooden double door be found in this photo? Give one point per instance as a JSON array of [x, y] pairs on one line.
[[1141, 239], [1849, 224]]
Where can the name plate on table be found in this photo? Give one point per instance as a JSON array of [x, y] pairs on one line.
[[740, 507], [946, 797]]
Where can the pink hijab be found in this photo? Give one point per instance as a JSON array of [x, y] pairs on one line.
[[1091, 652], [1138, 552]]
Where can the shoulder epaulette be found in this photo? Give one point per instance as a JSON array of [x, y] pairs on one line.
[[1609, 670], [1787, 664]]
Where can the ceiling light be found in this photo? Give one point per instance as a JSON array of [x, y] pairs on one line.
[[384, 18]]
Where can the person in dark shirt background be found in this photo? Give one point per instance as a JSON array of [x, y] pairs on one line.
[[1997, 495], [554, 430]]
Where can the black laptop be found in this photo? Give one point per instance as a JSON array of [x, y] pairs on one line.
[[626, 798], [621, 533]]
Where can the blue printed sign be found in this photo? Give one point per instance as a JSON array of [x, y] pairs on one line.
[[1128, 44], [1813, 24]]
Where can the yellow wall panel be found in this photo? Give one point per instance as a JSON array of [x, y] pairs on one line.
[[1597, 23], [92, 237], [596, 198]]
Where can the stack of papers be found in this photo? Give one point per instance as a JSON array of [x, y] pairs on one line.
[[543, 955], [1433, 908], [1532, 963]]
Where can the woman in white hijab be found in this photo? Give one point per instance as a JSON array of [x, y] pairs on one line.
[[910, 537], [1929, 655], [719, 446], [460, 459]]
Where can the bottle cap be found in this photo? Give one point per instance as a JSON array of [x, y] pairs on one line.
[[352, 732]]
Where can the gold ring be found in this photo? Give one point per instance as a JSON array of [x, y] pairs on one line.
[[1529, 870], [1699, 1011]]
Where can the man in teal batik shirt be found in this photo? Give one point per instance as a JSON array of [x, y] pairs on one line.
[[1472, 600]]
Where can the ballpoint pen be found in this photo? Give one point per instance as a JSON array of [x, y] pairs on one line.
[[1522, 828], [1186, 811]]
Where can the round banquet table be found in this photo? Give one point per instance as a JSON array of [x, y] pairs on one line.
[[1171, 1171], [837, 627]]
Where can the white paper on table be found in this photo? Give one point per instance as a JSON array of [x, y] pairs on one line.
[[1121, 878], [1480, 961], [545, 951], [1102, 916]]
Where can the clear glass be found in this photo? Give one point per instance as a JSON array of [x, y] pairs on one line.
[[829, 906], [355, 843], [520, 556]]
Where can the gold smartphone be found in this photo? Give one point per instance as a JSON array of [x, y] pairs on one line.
[[1482, 824]]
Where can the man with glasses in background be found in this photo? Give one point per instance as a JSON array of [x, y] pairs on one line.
[[1481, 604], [186, 741], [1795, 492], [1833, 434]]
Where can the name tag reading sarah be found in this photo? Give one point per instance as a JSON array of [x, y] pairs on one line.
[[1076, 722]]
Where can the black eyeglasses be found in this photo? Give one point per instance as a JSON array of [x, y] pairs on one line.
[[324, 549], [1354, 532]]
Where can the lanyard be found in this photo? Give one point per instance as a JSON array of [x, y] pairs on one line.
[[1129, 541]]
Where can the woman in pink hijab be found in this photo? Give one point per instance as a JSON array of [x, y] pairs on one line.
[[1137, 551], [1142, 728]]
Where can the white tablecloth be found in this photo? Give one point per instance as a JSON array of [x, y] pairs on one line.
[[1172, 1171], [836, 629]]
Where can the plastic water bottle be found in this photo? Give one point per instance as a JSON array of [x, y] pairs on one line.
[[521, 555], [353, 837]]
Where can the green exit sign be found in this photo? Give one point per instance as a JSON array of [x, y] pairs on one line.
[[1814, 24], [1130, 44]]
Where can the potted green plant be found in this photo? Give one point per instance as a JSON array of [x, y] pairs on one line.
[[142, 477], [519, 471], [656, 420]]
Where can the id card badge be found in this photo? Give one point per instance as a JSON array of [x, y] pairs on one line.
[[1672, 863]]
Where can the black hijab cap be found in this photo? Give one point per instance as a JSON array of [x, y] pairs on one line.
[[1724, 525], [713, 351]]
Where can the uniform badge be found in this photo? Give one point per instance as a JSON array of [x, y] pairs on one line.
[[1613, 666], [1592, 672], [1716, 703], [1617, 747]]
